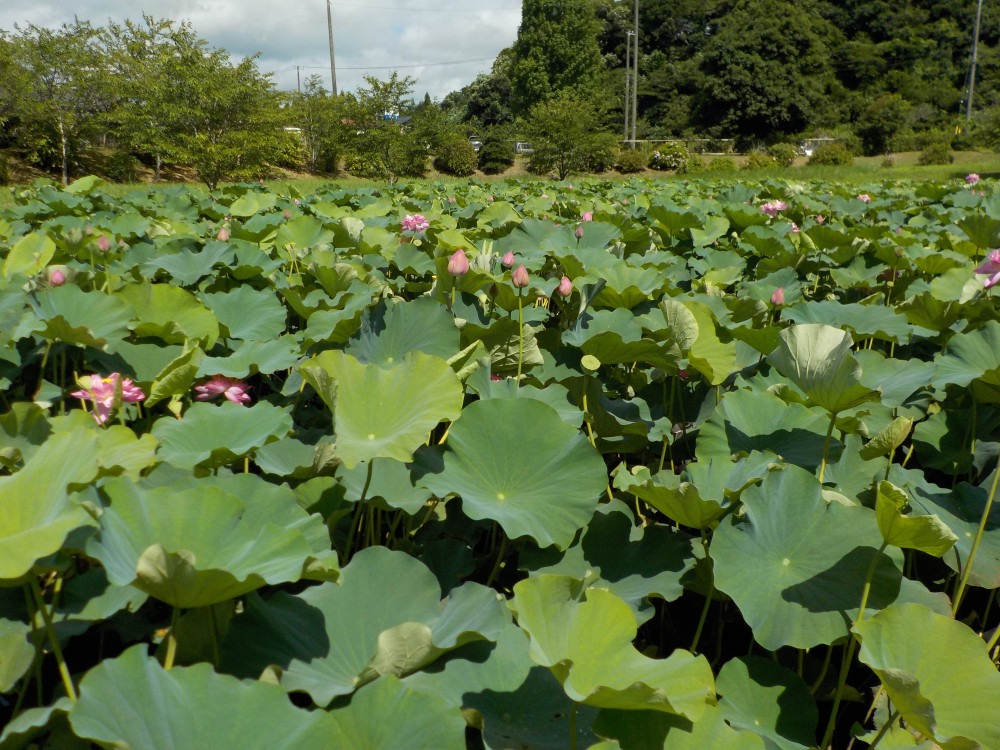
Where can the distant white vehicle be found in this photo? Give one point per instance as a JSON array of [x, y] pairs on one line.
[[475, 142], [523, 147]]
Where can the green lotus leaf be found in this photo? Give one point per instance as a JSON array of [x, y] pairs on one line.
[[170, 313], [587, 643], [627, 286], [392, 331], [176, 379], [22, 430], [876, 321], [247, 313], [974, 358], [212, 435], [633, 564], [391, 480], [417, 721], [516, 462], [680, 323], [187, 266], [817, 359], [17, 653], [888, 439], [286, 458], [957, 285], [29, 723], [265, 357], [925, 533], [89, 599], [654, 730], [914, 651], [252, 203], [191, 546], [36, 510], [745, 421], [82, 318], [133, 702], [29, 255], [553, 394], [384, 412], [302, 233], [763, 697], [796, 565], [331, 639], [712, 229], [983, 231], [713, 353]]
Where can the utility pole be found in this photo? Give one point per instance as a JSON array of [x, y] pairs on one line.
[[635, 75], [333, 65], [628, 79], [298, 78], [975, 61]]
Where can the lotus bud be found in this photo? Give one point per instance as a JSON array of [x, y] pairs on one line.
[[507, 261], [579, 232], [458, 264], [103, 243], [587, 216], [778, 298], [287, 214], [565, 287], [56, 277], [88, 230], [451, 199], [223, 235], [520, 277]]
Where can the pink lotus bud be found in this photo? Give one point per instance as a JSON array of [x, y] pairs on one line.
[[683, 374], [103, 244], [820, 219], [795, 228], [223, 234], [287, 214], [261, 180], [451, 199], [56, 277], [491, 199], [778, 298], [579, 232], [458, 264], [88, 230], [587, 216], [520, 277], [296, 201], [565, 287], [507, 261]]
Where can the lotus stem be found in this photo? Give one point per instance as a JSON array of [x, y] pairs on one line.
[[358, 514], [993, 641], [885, 728], [520, 336], [496, 566], [869, 713], [572, 726], [50, 631], [168, 660], [702, 618], [826, 447], [967, 568], [213, 632]]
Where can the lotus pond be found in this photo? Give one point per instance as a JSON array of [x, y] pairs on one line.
[[514, 465]]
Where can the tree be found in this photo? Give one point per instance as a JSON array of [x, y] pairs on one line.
[[567, 136], [556, 49], [880, 122], [383, 148], [319, 119]]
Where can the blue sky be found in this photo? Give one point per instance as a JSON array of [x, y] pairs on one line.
[[369, 37]]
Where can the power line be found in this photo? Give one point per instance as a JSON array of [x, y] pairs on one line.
[[428, 10], [397, 67]]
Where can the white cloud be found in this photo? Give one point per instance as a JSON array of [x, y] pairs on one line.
[[375, 35]]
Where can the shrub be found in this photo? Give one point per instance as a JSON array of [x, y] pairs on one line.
[[122, 167], [496, 154], [783, 154], [4, 170], [831, 154], [694, 164], [603, 152], [669, 156], [456, 157], [631, 161], [759, 160], [888, 162], [936, 153], [721, 164]]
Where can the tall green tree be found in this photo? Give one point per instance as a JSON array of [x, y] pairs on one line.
[[382, 147], [319, 119], [556, 49], [568, 136]]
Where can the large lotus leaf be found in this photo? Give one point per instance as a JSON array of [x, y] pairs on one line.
[[925, 533], [984, 231], [212, 435], [712, 229], [133, 702], [391, 480], [972, 357], [795, 565], [680, 324], [248, 314], [29, 255], [191, 546], [745, 421], [333, 638], [29, 723], [627, 286], [418, 720], [188, 266], [301, 233], [916, 653], [817, 359], [553, 394], [897, 379], [588, 646], [704, 491], [89, 598], [763, 697], [654, 730], [176, 378], [634, 564], [713, 353], [390, 332], [36, 510], [85, 318], [22, 430], [516, 462], [265, 357], [16, 652], [170, 313], [252, 203], [384, 412]]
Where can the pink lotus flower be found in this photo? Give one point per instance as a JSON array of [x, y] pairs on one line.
[[565, 287], [795, 228], [972, 178], [223, 235], [579, 232], [415, 223], [287, 214], [102, 392], [103, 244], [56, 277], [864, 198], [778, 297], [458, 264], [507, 261], [772, 208], [520, 277], [233, 390], [451, 199], [820, 219], [587, 216], [991, 268]]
